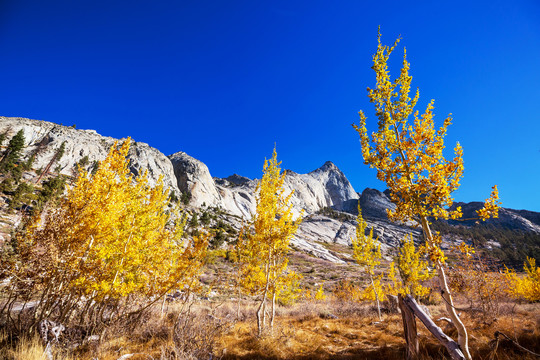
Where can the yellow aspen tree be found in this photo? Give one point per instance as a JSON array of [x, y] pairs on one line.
[[110, 241], [413, 270], [367, 253], [409, 159], [136, 250], [319, 294], [264, 245], [525, 287]]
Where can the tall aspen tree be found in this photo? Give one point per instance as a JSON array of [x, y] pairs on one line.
[[367, 253], [409, 159], [264, 245]]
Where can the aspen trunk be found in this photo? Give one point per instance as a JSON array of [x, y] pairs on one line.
[[273, 315], [453, 348], [273, 309], [238, 302], [410, 331], [261, 313], [376, 297], [463, 337]]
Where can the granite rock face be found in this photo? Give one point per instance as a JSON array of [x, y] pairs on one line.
[[339, 193], [45, 138], [193, 176], [524, 220], [236, 179], [374, 204], [325, 187]]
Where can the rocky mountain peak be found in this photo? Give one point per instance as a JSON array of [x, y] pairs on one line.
[[237, 179], [374, 204], [341, 194], [329, 166]]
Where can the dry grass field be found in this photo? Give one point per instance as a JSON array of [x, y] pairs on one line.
[[220, 327], [307, 330]]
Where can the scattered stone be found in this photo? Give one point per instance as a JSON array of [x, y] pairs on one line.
[[50, 331], [328, 316]]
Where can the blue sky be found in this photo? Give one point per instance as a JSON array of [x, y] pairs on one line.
[[225, 80]]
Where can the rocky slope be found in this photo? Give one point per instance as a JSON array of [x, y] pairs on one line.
[[45, 138], [324, 188], [524, 220]]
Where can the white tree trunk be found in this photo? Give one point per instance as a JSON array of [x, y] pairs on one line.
[[452, 347], [463, 337], [376, 297]]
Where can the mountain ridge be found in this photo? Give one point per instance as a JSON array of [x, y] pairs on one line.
[[326, 187]]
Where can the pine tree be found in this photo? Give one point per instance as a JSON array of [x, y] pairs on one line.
[[194, 222], [12, 153], [3, 137]]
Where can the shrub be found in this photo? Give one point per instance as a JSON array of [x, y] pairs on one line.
[[107, 252]]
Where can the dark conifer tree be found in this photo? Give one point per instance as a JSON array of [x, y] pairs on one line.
[[12, 153]]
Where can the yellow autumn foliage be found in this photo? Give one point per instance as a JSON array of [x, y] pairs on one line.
[[263, 244], [367, 253], [346, 290], [408, 156], [366, 249], [117, 235], [407, 152], [413, 270], [349, 291], [111, 239], [320, 295], [525, 287]]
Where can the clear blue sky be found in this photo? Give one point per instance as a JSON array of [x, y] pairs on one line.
[[225, 80]]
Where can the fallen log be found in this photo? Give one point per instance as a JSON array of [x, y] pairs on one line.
[[453, 348]]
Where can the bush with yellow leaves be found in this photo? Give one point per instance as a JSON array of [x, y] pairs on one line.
[[413, 271], [525, 287], [109, 250]]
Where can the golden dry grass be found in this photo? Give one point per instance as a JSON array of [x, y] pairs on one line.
[[27, 349], [311, 336], [323, 330]]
